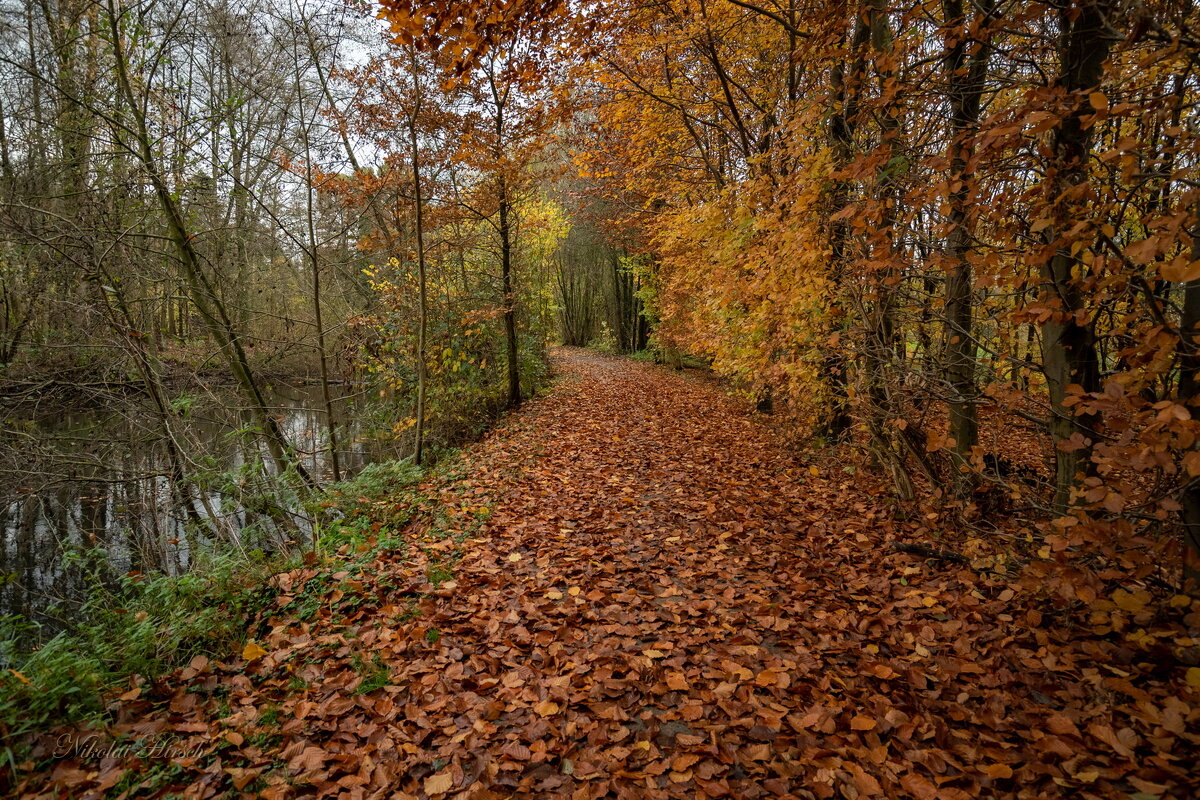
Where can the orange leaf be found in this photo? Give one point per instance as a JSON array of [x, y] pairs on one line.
[[1133, 602], [867, 784], [1060, 725], [252, 651], [676, 682], [863, 723], [683, 762]]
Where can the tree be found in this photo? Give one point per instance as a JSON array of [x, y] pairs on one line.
[[1068, 339], [419, 233], [131, 130], [966, 58]]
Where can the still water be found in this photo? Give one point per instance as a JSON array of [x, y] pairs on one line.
[[95, 488]]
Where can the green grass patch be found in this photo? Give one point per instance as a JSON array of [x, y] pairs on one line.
[[649, 355], [375, 673], [439, 574]]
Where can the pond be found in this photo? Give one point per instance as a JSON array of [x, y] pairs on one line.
[[94, 490]]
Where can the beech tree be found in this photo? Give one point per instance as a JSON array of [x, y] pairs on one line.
[[994, 217]]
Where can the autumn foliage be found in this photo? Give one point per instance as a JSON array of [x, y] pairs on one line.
[[665, 603], [951, 251], [957, 235]]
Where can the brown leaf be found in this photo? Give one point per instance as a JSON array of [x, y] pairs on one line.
[[1060, 725], [546, 708], [440, 783], [517, 751], [763, 733], [919, 787], [310, 759], [866, 783], [676, 682]]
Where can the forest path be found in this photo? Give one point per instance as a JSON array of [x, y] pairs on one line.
[[663, 602], [643, 595]]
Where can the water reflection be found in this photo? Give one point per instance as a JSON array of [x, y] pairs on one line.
[[102, 482]]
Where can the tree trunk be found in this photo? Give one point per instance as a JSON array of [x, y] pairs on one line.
[[964, 94], [842, 125], [880, 335], [315, 265], [1069, 345], [510, 312], [1189, 395], [419, 221]]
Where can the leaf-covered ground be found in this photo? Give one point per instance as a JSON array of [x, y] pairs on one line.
[[663, 602]]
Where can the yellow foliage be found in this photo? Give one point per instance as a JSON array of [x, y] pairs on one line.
[[744, 280]]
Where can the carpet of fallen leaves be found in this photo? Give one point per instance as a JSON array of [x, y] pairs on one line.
[[663, 602]]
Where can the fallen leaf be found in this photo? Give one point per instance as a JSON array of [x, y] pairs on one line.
[[253, 651], [1133, 602], [439, 783]]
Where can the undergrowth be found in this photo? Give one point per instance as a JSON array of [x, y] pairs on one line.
[[654, 354], [148, 625], [135, 624]]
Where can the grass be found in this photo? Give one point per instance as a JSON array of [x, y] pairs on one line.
[[269, 716], [649, 355], [439, 574], [375, 673]]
